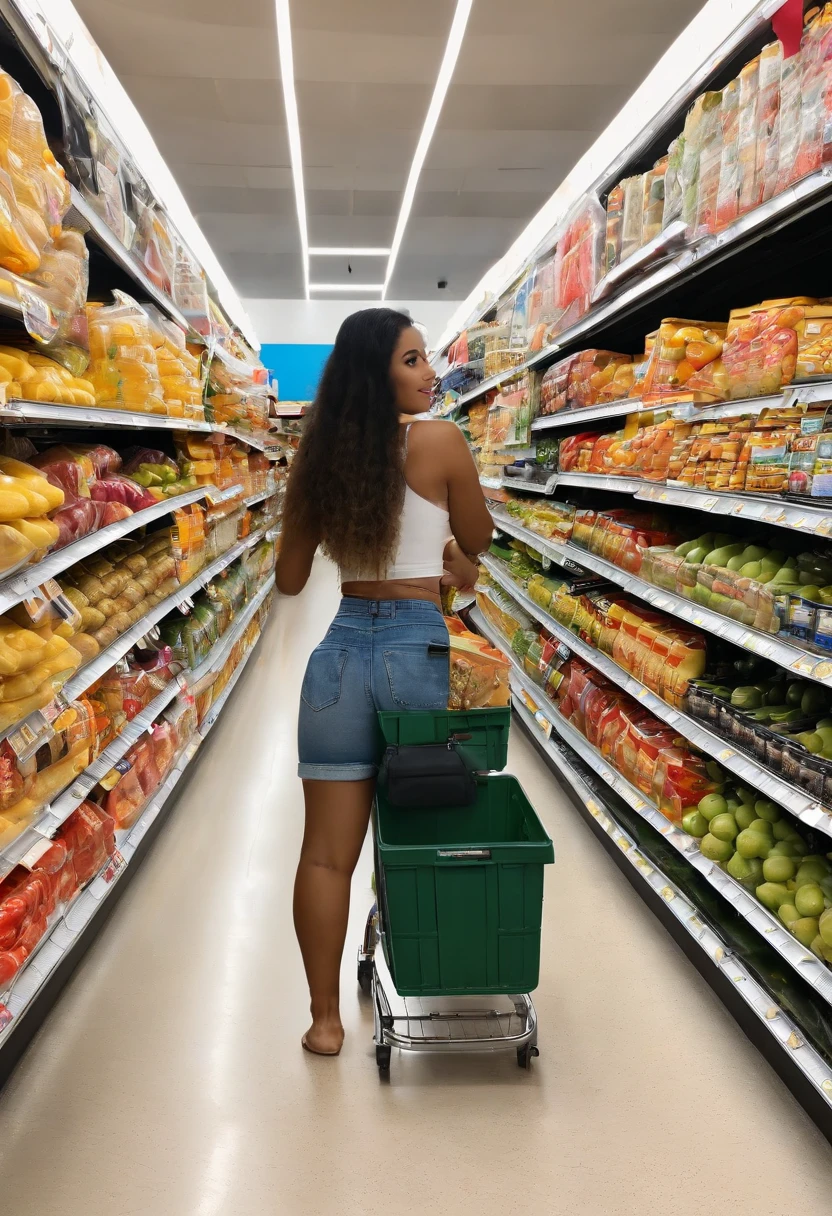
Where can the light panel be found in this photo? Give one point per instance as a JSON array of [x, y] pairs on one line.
[[443, 80], [290, 101], [346, 287], [334, 251]]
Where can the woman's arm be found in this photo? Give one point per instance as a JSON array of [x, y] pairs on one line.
[[294, 561], [460, 571], [446, 453]]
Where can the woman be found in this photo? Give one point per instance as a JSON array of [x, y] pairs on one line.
[[398, 506]]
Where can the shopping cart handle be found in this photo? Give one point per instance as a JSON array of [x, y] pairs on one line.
[[463, 854]]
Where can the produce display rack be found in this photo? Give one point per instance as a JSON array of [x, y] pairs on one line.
[[805, 808], [767, 645], [776, 1035], [35, 413], [801, 960], [37, 986]]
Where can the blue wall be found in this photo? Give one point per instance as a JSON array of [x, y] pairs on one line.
[[297, 368]]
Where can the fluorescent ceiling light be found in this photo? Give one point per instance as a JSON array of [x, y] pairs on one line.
[[287, 72], [346, 287], [446, 71], [335, 251]]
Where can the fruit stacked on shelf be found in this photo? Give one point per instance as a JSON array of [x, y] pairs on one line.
[[237, 392], [30, 899], [759, 846], [782, 722], [36, 377]]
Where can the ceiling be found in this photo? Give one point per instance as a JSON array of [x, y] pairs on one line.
[[536, 81]]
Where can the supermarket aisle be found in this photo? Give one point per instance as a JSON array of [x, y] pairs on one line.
[[169, 1079]]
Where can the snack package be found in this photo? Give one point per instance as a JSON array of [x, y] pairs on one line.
[[123, 368], [632, 222], [653, 202], [673, 198], [613, 234], [701, 134], [579, 259], [682, 352], [479, 674], [710, 159], [761, 345], [728, 191]]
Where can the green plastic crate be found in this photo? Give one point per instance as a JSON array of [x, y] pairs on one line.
[[461, 893], [482, 733]]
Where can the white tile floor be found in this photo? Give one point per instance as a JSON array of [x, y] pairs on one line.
[[169, 1080]]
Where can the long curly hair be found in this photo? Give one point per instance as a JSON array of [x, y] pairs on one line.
[[347, 482]]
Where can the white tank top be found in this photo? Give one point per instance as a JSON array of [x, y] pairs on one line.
[[424, 531]]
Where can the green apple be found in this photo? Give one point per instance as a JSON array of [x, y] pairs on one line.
[[783, 848], [782, 829], [764, 827], [811, 871], [753, 844], [712, 805], [742, 869], [714, 771], [805, 929], [724, 827], [694, 823], [745, 816], [769, 811], [715, 849], [825, 927], [818, 946], [751, 570], [773, 894], [808, 900], [779, 869], [788, 913], [811, 741]]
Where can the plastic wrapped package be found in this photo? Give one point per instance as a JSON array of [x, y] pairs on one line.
[[479, 674], [575, 452], [760, 353], [789, 125], [701, 135], [155, 245], [710, 160], [510, 417], [680, 781], [732, 595], [753, 80], [613, 234], [683, 350], [188, 543], [673, 201], [236, 392], [579, 259], [632, 219], [190, 291], [728, 190], [179, 370], [123, 368], [814, 343], [41, 190], [764, 460], [816, 53], [552, 520], [653, 202], [38, 378]]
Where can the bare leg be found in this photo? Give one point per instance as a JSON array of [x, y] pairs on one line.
[[337, 814]]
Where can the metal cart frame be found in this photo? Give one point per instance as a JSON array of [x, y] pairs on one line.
[[433, 1028]]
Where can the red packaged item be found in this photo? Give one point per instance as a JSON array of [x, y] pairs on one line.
[[116, 488], [680, 780]]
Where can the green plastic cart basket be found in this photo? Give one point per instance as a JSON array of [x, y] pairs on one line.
[[481, 734], [460, 892]]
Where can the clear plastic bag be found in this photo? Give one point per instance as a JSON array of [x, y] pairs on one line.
[[123, 368], [728, 191], [613, 236], [710, 160], [632, 224], [580, 255]]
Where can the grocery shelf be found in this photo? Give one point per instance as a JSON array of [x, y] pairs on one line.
[[84, 217], [795, 515], [18, 412], [53, 815], [615, 409], [253, 498], [769, 646], [766, 923], [94, 670], [16, 586], [798, 200], [531, 487], [67, 935], [783, 1037], [805, 808]]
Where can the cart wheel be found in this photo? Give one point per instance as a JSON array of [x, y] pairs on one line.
[[526, 1054], [383, 1059], [365, 975]]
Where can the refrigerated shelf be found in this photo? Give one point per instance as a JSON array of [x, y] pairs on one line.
[[803, 962], [809, 810], [767, 645]]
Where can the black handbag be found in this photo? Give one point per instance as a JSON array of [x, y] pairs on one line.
[[426, 775]]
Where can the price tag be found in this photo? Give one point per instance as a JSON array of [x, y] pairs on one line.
[[6, 1016], [824, 526], [31, 859], [29, 735], [709, 503], [804, 665], [116, 865], [797, 523], [773, 516], [185, 605], [726, 754], [823, 670]]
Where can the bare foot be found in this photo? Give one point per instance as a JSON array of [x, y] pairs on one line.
[[324, 1038]]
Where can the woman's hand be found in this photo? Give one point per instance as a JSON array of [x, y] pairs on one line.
[[460, 571]]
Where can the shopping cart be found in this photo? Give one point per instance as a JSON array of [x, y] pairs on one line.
[[459, 904]]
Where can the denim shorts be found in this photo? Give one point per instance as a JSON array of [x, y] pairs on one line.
[[377, 655]]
